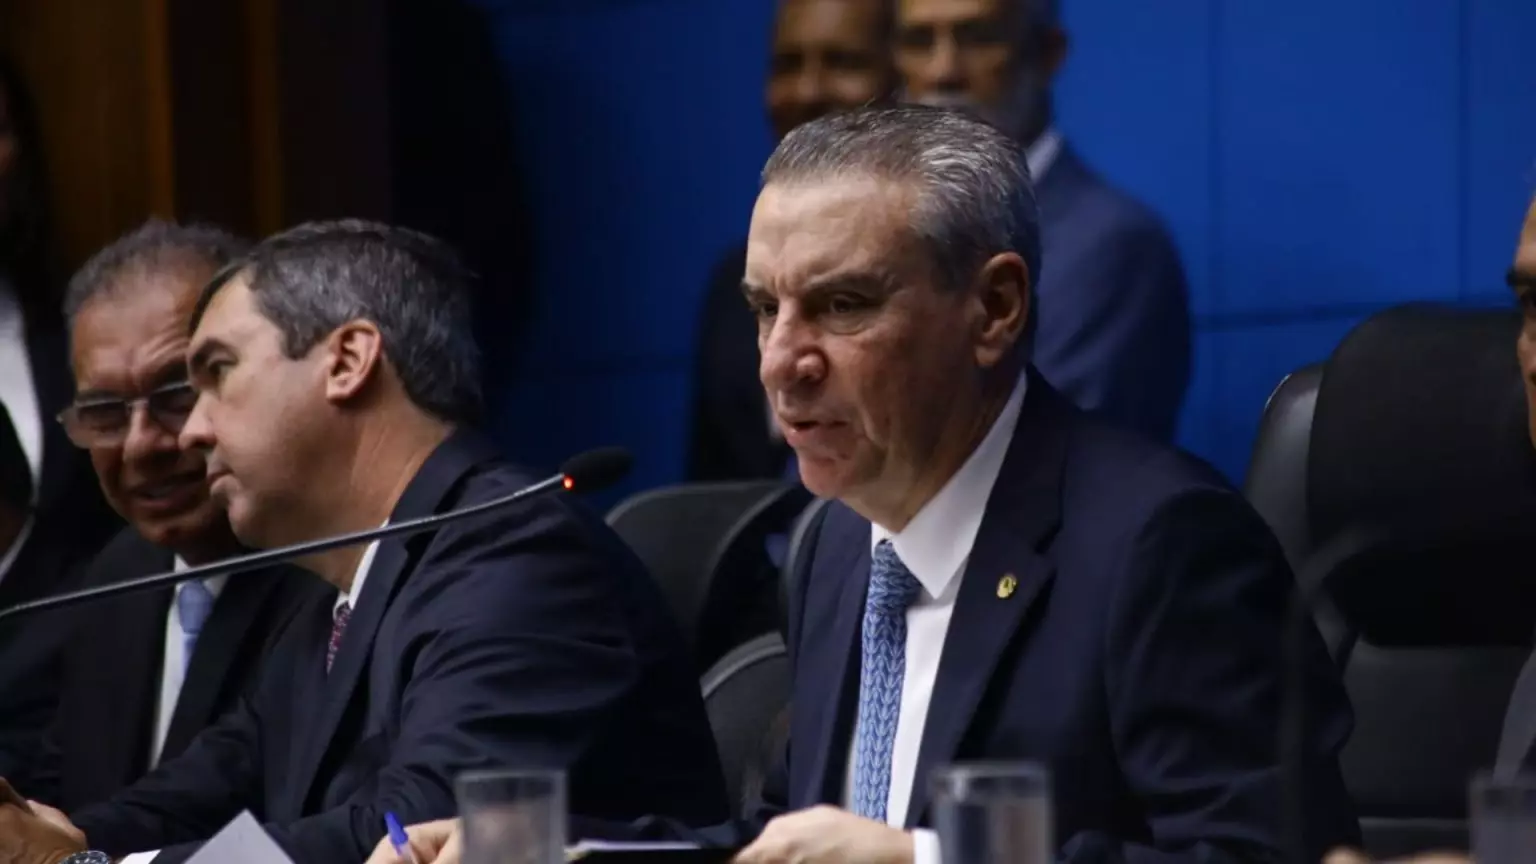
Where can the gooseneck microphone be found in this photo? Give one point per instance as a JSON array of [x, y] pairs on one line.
[[587, 472]]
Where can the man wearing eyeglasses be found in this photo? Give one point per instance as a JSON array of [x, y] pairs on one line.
[[141, 675]]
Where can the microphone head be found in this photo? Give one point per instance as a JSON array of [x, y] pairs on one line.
[[596, 469]]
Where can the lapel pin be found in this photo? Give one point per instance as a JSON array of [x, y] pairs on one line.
[[1006, 585]]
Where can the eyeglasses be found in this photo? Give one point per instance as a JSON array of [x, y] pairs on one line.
[[105, 422]]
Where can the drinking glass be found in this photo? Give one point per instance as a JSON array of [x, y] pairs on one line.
[[1503, 811], [513, 817], [994, 813]]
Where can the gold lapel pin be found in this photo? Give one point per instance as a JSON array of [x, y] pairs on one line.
[[1006, 585]]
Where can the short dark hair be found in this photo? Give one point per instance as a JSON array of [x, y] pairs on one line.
[[154, 246], [315, 277]]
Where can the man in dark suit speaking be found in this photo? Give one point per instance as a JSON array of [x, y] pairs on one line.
[[1018, 579], [338, 383]]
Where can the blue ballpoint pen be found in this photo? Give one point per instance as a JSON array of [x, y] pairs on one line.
[[399, 839]]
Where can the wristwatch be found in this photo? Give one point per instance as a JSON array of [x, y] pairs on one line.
[[91, 857]]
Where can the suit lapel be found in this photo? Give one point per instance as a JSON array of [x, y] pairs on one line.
[[827, 716], [223, 640], [135, 644], [392, 565], [1005, 577]]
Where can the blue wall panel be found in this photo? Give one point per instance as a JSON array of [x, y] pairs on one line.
[[1135, 95], [1316, 160], [1338, 128], [1499, 127]]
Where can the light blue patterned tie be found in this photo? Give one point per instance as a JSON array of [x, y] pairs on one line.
[[194, 603], [892, 588]]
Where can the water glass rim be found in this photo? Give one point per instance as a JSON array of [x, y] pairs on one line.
[[480, 783], [988, 769], [1522, 780]]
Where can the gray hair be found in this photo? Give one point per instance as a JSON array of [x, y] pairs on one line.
[[311, 279], [156, 246], [975, 199]]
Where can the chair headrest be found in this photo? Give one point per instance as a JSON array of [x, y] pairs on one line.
[[1421, 422], [1420, 442]]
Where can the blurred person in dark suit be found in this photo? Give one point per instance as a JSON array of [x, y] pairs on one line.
[[65, 519], [34, 373], [338, 389], [164, 664], [826, 55], [1113, 303]]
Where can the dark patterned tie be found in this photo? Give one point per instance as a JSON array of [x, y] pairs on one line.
[[338, 627], [892, 588]]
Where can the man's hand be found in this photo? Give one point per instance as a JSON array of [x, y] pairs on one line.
[[1351, 856], [824, 835], [35, 838], [433, 842]]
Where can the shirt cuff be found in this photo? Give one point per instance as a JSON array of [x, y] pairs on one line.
[[146, 857], [925, 848]]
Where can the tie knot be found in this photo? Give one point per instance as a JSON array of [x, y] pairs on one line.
[[194, 603], [892, 587]]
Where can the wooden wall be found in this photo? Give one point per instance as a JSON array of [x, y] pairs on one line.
[[252, 113]]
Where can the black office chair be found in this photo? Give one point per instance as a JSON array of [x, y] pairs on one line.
[[677, 531], [746, 695], [1417, 505], [742, 594], [1276, 484]]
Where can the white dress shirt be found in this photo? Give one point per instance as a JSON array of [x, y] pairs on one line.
[[348, 597], [935, 547], [18, 394], [173, 669]]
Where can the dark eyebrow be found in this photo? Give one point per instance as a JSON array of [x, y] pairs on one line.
[[168, 374], [875, 282], [197, 363]]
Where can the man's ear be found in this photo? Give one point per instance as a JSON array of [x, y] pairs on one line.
[[1002, 295], [353, 353]]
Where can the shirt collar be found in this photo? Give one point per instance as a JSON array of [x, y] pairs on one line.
[[350, 597], [1041, 154], [939, 538], [214, 584]]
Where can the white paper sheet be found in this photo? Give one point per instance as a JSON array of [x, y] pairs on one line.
[[242, 841]]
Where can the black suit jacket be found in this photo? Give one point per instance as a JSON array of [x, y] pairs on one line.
[[528, 638], [111, 668], [71, 522], [1139, 657]]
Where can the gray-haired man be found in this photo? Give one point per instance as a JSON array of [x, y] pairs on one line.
[[1000, 577]]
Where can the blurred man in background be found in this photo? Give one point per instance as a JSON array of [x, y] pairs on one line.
[[165, 664], [1114, 312], [827, 55], [65, 520]]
